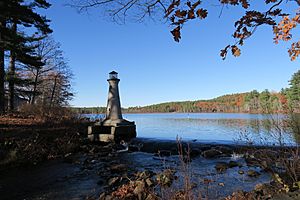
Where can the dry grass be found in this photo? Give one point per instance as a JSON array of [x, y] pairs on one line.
[[39, 133], [47, 113]]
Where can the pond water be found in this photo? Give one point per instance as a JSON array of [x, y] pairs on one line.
[[210, 127]]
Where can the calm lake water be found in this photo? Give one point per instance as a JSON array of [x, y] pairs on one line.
[[207, 127]]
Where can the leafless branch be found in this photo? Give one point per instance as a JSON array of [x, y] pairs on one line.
[[118, 9]]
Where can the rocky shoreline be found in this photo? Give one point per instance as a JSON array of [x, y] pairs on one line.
[[148, 170]]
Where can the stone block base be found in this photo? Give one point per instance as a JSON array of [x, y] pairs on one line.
[[111, 133]]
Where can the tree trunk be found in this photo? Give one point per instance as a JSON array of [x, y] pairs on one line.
[[2, 72], [32, 100], [53, 91], [12, 73]]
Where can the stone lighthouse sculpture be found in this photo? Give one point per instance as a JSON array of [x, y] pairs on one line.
[[113, 109], [113, 127]]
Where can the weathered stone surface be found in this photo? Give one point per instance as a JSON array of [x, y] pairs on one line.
[[151, 197], [259, 187], [224, 150], [232, 164], [102, 196], [108, 197], [113, 127], [253, 173], [139, 190], [140, 187], [145, 174], [166, 177], [287, 196], [211, 153], [113, 181], [149, 182], [221, 166], [221, 184], [118, 168], [251, 161]]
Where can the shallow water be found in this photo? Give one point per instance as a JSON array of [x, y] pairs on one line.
[[60, 180], [222, 184], [50, 180], [209, 127]]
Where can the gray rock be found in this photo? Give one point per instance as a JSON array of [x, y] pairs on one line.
[[102, 196], [221, 166], [232, 164], [118, 168], [251, 161], [211, 153], [145, 174], [253, 173], [139, 190], [108, 197], [224, 150], [166, 177], [149, 182], [113, 181], [287, 196], [151, 197]]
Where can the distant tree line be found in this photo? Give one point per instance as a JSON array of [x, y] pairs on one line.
[[249, 102], [33, 69]]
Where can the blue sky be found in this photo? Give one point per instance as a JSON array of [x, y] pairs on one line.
[[153, 68]]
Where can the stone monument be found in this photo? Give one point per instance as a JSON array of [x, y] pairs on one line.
[[113, 127]]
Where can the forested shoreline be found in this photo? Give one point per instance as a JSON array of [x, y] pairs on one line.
[[248, 102]]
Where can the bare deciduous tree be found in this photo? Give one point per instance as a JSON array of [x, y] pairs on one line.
[[49, 84]]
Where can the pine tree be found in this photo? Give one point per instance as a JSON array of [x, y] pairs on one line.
[[264, 100], [294, 91], [15, 13]]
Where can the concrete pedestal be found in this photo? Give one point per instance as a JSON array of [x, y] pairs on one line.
[[108, 131]]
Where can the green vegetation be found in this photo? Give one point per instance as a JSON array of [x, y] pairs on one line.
[[293, 92]]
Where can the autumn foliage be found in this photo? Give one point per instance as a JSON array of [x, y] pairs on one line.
[[283, 31], [274, 13], [250, 102], [244, 27]]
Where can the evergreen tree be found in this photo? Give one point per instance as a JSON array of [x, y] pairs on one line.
[[12, 14], [11, 74], [293, 92], [252, 101], [264, 100]]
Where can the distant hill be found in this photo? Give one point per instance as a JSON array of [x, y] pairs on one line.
[[248, 102]]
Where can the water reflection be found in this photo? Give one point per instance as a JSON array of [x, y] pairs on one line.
[[214, 127]]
